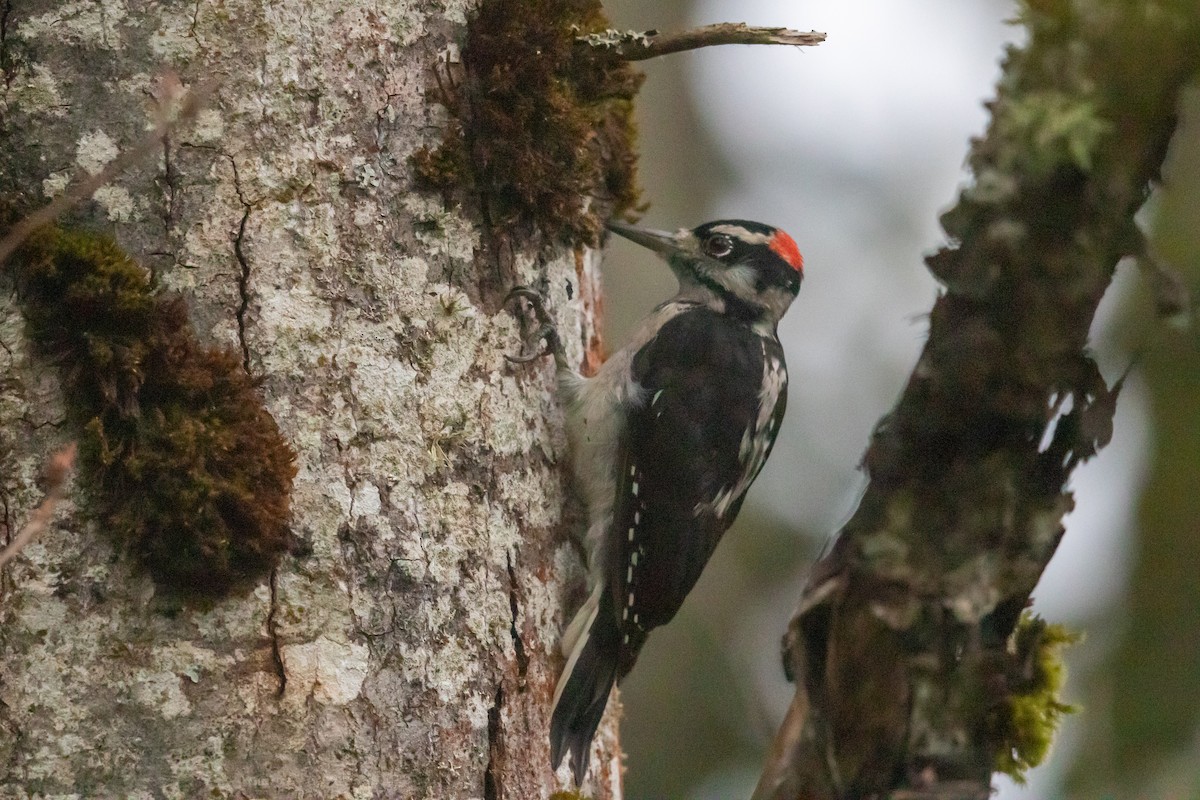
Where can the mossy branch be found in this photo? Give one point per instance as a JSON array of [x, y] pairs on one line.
[[638, 46], [906, 650]]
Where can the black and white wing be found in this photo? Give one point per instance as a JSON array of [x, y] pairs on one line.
[[713, 394]]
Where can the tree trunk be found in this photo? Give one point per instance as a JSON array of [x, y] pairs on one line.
[[916, 676], [406, 645]]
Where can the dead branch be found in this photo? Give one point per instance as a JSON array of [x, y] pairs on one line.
[[640, 45], [56, 479]]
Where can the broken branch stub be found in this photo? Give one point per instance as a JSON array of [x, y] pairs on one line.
[[641, 45]]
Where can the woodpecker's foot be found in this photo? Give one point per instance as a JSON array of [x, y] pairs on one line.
[[546, 332]]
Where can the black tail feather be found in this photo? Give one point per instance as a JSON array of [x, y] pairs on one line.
[[582, 699]]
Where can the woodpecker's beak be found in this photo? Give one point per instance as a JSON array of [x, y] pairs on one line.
[[659, 241]]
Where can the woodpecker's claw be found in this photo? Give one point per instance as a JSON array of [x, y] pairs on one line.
[[549, 336], [536, 302], [546, 332]]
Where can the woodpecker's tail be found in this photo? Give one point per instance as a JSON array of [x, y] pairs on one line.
[[586, 681]]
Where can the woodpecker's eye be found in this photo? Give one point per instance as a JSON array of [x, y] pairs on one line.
[[718, 246]]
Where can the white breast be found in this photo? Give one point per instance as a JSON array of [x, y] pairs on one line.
[[595, 426]]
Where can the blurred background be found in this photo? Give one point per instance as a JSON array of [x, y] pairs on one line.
[[854, 147]]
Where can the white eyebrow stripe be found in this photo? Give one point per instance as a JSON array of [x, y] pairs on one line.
[[739, 232]]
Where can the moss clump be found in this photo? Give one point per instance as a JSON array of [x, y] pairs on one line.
[[1051, 129], [181, 460], [1023, 724], [542, 121]]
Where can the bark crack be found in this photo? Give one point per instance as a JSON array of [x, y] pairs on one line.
[[195, 21], [518, 644], [8, 537], [492, 787], [6, 61], [243, 287], [170, 178], [239, 250], [17, 739], [273, 632], [169, 181]]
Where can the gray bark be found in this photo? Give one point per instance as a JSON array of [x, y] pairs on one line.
[[408, 649]]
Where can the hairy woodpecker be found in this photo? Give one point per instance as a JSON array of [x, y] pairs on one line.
[[666, 438]]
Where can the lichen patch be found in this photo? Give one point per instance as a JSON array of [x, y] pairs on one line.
[[83, 22], [328, 671], [94, 150], [55, 184], [35, 91], [117, 203], [161, 692]]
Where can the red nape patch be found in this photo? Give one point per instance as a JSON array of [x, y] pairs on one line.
[[785, 247]]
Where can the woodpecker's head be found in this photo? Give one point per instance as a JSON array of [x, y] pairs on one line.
[[751, 269]]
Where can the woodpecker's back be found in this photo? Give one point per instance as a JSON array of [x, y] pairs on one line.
[[666, 439]]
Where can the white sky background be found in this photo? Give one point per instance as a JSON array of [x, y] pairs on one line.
[[854, 147]]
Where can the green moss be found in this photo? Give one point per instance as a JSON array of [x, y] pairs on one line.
[[573, 794], [1024, 723], [181, 461], [1051, 129], [542, 121]]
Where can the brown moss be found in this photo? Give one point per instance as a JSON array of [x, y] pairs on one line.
[[543, 121], [181, 461]]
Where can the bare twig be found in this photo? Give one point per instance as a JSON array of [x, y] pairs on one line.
[[56, 479], [780, 777], [638, 46], [191, 101]]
